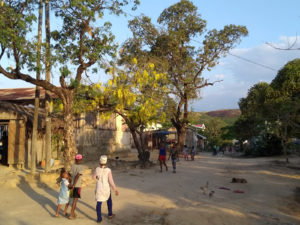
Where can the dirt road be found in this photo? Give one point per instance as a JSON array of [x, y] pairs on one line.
[[270, 196]]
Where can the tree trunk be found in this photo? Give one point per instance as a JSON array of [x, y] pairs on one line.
[[182, 137], [70, 149], [180, 125], [283, 143], [180, 132], [138, 142], [184, 122], [37, 92]]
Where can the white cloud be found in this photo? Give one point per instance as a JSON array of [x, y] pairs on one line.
[[219, 76], [266, 62], [240, 75]]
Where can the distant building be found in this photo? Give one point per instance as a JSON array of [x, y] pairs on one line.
[[199, 126]]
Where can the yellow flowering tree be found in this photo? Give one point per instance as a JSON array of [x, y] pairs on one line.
[[135, 93]]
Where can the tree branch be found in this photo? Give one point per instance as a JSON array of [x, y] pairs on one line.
[[82, 68], [2, 52], [16, 75], [206, 84]]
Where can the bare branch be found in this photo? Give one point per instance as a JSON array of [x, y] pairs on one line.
[[288, 48], [207, 84]]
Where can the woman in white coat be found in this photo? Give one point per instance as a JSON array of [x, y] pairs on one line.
[[104, 183]]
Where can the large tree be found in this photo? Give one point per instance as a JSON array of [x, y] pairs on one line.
[[253, 111], [274, 108], [139, 97], [172, 49], [284, 103], [79, 44], [136, 94]]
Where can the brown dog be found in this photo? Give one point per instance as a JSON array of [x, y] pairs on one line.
[[238, 180]]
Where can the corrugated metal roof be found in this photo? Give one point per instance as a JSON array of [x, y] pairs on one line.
[[14, 94], [27, 112], [19, 109]]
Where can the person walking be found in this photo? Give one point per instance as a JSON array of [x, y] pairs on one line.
[[162, 157], [76, 173], [186, 152], [174, 156], [63, 197], [193, 152], [105, 181]]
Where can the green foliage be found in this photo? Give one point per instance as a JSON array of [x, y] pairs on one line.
[[169, 108], [264, 145], [170, 48], [252, 122], [16, 20], [229, 120], [213, 131], [271, 112]]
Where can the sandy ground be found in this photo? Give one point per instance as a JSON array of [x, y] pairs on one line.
[[147, 196]]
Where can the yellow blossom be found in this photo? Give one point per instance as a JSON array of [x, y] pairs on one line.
[[134, 61], [151, 66]]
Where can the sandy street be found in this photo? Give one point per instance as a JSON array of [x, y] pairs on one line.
[[271, 195]]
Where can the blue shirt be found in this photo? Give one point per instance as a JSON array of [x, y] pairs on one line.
[[162, 151]]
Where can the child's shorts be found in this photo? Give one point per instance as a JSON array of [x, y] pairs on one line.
[[76, 192]]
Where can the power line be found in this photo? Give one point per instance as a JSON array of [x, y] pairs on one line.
[[253, 62], [245, 59]]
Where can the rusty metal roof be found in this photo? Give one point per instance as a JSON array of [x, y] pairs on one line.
[[23, 111], [15, 94], [27, 113]]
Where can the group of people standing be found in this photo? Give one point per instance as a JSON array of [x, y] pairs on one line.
[[186, 152], [71, 187], [174, 155]]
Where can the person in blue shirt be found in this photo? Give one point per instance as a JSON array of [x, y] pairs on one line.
[[162, 157]]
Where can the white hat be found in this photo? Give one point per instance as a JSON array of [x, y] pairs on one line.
[[103, 159]]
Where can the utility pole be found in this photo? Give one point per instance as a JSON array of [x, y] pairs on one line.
[[37, 92], [47, 94]]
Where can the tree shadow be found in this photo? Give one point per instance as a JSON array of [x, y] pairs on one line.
[[45, 202], [49, 190], [37, 197]]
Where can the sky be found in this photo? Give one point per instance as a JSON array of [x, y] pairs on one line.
[[273, 21]]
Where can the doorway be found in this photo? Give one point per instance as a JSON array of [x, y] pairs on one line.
[[3, 141]]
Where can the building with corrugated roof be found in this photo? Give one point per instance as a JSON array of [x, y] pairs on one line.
[[93, 136]]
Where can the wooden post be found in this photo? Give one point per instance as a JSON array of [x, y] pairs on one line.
[[47, 94]]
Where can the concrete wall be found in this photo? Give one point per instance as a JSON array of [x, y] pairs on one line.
[[191, 138], [109, 137]]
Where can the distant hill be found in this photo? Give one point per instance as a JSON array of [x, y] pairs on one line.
[[225, 113], [229, 116]]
